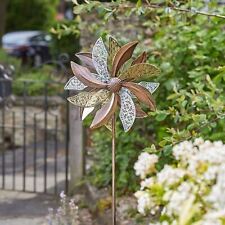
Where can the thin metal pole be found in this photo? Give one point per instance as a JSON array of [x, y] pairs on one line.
[[67, 146], [45, 136], [3, 139], [56, 154], [24, 134], [14, 149], [113, 170], [35, 151]]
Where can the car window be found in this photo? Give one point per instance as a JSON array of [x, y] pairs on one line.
[[41, 38]]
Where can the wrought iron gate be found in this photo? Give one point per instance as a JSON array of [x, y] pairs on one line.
[[34, 138]]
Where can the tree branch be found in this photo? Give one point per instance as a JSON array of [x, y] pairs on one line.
[[154, 6]]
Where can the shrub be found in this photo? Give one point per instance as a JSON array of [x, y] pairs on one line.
[[36, 14], [5, 59], [36, 80], [66, 38], [188, 192], [190, 99]]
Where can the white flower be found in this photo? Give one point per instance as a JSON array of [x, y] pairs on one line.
[[169, 175], [198, 175], [217, 195], [177, 198], [198, 141], [145, 164], [144, 201], [62, 194], [147, 183]]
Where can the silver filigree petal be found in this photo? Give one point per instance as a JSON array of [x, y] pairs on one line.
[[127, 110], [150, 86], [74, 84], [87, 111], [99, 58]]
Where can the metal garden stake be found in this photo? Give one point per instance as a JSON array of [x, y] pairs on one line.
[[111, 79]]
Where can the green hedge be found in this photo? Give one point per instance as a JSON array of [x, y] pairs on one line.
[[190, 100], [30, 15]]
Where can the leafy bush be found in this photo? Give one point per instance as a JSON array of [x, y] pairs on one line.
[[30, 15], [190, 100], [34, 82], [66, 38], [5, 59], [190, 191]]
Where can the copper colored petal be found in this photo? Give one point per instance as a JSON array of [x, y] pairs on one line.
[[85, 76], [124, 54], [139, 71], [86, 60], [105, 113], [139, 112], [141, 93], [140, 59]]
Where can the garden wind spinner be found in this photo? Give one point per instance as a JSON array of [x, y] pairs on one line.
[[108, 80]]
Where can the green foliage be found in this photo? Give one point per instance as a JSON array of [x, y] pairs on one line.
[[36, 80], [5, 59], [66, 38], [128, 149], [189, 49], [30, 15]]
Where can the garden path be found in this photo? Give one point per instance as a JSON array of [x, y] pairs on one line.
[[18, 208]]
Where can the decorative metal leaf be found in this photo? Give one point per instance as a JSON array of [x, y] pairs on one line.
[[108, 125], [86, 77], [86, 60], [139, 112], [98, 97], [99, 57], [106, 112], [113, 49], [139, 71], [124, 54], [87, 111], [140, 59], [141, 93], [74, 84], [151, 86], [89, 99], [127, 111]]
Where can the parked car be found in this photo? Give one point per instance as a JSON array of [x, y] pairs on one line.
[[33, 47]]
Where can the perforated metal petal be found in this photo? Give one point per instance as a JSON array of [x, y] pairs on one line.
[[74, 84], [99, 57], [113, 49], [139, 71], [127, 111], [89, 99], [98, 97], [151, 86]]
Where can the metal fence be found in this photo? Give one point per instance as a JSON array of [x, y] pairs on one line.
[[34, 138]]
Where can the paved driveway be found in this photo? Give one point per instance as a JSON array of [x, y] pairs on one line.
[[18, 208]]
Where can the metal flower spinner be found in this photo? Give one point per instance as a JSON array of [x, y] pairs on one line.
[[111, 79], [108, 80]]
